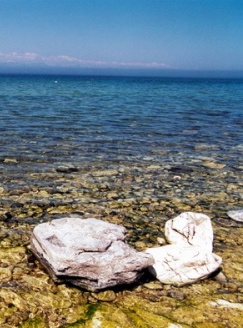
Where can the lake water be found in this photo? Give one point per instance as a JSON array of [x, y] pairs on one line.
[[49, 121]]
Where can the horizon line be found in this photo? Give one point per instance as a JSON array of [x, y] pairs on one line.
[[119, 72]]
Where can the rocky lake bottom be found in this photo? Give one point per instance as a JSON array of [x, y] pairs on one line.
[[141, 196]]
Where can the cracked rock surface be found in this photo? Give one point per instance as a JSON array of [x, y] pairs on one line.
[[189, 256], [89, 253], [190, 229], [182, 265]]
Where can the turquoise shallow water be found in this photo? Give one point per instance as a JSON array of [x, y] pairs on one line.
[[47, 120]]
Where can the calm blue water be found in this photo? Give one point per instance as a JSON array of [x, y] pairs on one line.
[[47, 120]]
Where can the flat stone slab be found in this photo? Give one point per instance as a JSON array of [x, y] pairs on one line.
[[236, 215], [179, 266], [89, 253]]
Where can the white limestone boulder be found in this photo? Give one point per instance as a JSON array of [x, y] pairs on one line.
[[194, 229], [188, 258], [179, 266], [89, 253]]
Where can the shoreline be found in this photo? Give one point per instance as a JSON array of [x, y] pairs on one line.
[[208, 186]]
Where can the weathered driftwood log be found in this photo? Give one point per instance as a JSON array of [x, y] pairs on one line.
[[88, 253]]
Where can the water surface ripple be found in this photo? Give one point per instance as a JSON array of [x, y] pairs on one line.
[[54, 120]]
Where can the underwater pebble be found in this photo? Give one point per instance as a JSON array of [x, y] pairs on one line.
[[226, 304], [236, 215], [154, 285], [161, 241], [66, 169], [213, 165], [176, 294], [221, 278], [10, 160], [105, 296]]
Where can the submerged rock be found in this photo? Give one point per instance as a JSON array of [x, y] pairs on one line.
[[227, 305], [189, 258], [88, 253], [236, 215]]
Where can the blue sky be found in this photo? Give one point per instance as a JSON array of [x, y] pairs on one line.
[[122, 34]]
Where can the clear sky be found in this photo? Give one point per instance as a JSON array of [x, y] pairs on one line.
[[122, 34]]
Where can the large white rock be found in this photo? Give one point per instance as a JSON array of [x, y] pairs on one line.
[[189, 256], [179, 266], [190, 228], [70, 237], [89, 253]]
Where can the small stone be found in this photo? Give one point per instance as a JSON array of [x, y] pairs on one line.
[[10, 160], [66, 169], [213, 165], [227, 305], [176, 294], [43, 193], [153, 285], [176, 177], [105, 173], [112, 195], [140, 245], [161, 241], [181, 169], [236, 215], [221, 278], [230, 286], [5, 274], [107, 296], [3, 214], [143, 209], [204, 146]]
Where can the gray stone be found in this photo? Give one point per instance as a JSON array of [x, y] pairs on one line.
[[88, 253], [236, 215]]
